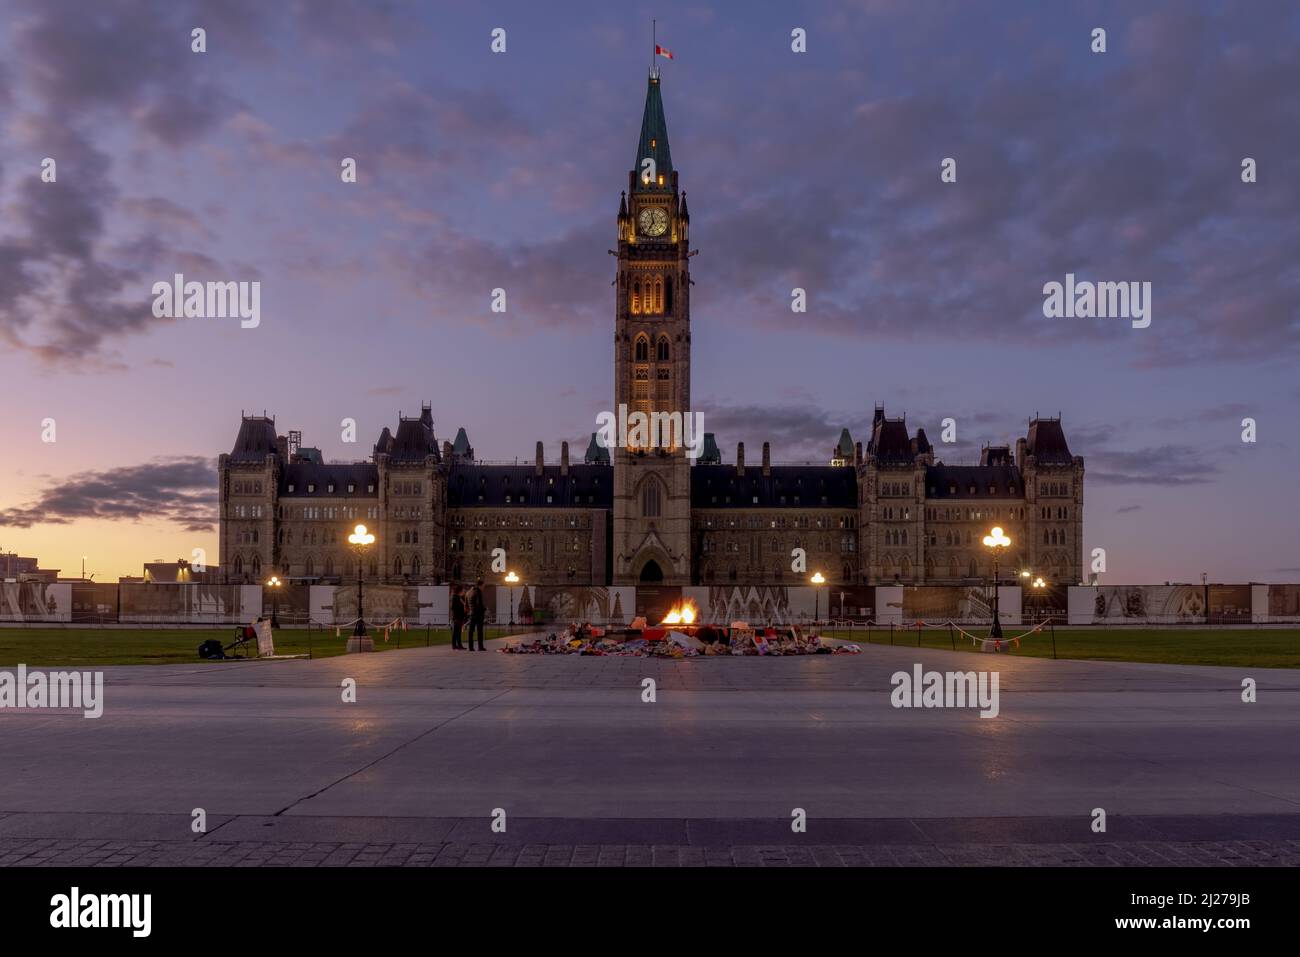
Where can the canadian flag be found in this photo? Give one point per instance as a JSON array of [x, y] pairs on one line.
[[663, 51]]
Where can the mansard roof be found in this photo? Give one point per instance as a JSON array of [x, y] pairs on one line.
[[973, 481], [1046, 443], [256, 439], [519, 486], [890, 443], [414, 439], [596, 453], [710, 454], [788, 486], [312, 480]]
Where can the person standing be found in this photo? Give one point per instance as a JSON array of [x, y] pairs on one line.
[[477, 612], [458, 615]]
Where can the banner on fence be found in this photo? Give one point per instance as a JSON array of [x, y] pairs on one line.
[[35, 601]]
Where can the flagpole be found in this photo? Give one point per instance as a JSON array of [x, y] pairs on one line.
[[654, 43]]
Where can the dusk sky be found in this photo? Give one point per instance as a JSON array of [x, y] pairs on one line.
[[819, 170]]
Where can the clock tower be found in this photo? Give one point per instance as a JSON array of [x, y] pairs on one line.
[[652, 362]]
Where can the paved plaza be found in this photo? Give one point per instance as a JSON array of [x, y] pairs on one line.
[[588, 773]]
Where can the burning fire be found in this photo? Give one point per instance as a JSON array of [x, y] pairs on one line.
[[683, 614]]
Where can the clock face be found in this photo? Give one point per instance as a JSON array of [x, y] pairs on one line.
[[653, 221]]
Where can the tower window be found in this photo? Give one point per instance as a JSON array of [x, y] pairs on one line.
[[650, 499], [641, 349], [661, 353]]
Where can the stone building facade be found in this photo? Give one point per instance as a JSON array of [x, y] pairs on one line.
[[890, 512]]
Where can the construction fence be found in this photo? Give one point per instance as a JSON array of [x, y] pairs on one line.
[[542, 605]]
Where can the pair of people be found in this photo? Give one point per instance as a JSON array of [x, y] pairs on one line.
[[471, 607]]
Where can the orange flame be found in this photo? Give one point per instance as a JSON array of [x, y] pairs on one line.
[[683, 614]]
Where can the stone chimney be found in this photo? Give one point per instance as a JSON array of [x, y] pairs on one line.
[[564, 458], [540, 459], [446, 452], [767, 458], [740, 458]]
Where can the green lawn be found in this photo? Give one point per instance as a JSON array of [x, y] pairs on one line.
[[91, 647], [1249, 647]]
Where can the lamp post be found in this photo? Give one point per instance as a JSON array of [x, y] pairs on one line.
[[274, 584], [360, 539], [995, 540], [511, 580], [817, 579]]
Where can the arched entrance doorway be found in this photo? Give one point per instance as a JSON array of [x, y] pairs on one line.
[[651, 572]]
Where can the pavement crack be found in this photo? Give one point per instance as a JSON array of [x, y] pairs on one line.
[[389, 754]]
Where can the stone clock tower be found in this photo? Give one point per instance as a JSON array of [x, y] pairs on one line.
[[652, 361]]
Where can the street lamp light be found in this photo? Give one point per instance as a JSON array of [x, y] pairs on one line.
[[817, 579], [995, 540], [360, 539], [274, 584], [512, 579]]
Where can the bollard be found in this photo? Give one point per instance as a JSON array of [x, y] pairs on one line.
[[1052, 624]]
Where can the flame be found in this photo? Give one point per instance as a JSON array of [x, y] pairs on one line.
[[683, 614]]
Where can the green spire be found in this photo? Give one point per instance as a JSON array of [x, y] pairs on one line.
[[654, 135]]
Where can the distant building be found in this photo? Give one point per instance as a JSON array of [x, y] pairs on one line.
[[21, 568], [889, 513], [179, 572]]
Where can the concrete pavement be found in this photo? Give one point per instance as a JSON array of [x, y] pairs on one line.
[[438, 739]]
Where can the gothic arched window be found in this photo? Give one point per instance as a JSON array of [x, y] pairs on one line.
[[668, 294], [661, 353], [636, 298], [397, 567], [650, 499], [641, 350]]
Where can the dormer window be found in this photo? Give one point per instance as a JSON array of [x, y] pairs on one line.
[[290, 488], [351, 487], [311, 487], [330, 488]]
